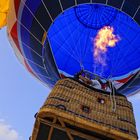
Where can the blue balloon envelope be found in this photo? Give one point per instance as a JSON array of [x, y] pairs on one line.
[[60, 42]]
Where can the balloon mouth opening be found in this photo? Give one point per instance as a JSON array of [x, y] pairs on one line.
[[91, 17], [87, 20]]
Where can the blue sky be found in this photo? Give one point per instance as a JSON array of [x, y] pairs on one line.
[[21, 96]]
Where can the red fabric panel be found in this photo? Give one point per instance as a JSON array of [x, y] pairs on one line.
[[28, 68], [14, 36], [16, 3], [62, 75], [125, 79]]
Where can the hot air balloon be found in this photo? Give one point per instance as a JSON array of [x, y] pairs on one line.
[[57, 39]]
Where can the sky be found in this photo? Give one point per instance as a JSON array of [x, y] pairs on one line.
[[21, 96]]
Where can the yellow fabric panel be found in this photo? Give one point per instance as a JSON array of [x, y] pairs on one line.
[[4, 6]]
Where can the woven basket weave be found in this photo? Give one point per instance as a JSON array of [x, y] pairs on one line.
[[90, 109]]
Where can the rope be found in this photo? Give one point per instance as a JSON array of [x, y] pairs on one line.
[[114, 109], [112, 97]]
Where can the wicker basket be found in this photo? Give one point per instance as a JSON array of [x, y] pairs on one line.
[[84, 113]]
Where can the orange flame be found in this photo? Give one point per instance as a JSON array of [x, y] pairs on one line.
[[104, 39]]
